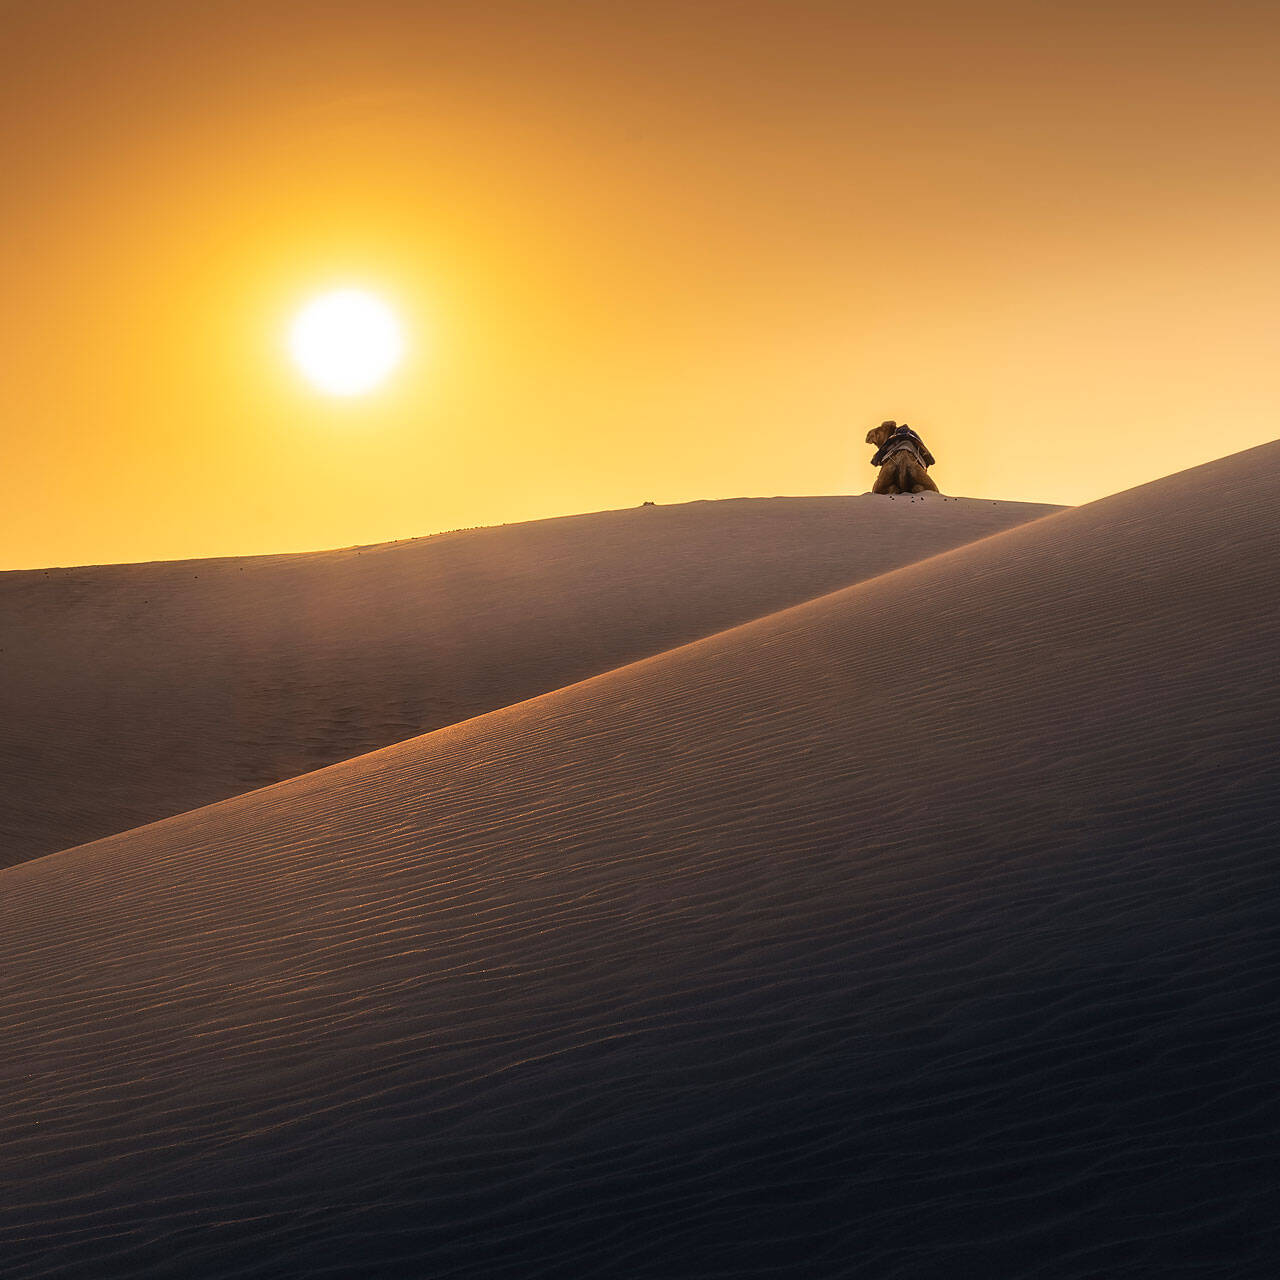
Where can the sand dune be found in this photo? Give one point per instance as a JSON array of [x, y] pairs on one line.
[[925, 929], [132, 692]]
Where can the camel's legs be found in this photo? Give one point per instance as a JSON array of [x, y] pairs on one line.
[[887, 480], [901, 475]]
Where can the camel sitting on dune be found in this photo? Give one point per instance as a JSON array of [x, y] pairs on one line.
[[903, 460]]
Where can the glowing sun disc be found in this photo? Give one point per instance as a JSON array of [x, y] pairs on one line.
[[346, 342]]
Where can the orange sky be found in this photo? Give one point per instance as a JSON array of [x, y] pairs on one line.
[[668, 251]]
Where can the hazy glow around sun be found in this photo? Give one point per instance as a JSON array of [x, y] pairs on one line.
[[346, 342]]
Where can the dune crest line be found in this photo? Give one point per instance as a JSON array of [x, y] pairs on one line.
[[130, 693]]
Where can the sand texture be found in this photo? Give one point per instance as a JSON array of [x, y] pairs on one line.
[[132, 692], [926, 929]]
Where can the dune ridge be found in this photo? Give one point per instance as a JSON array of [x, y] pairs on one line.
[[132, 692], [927, 928]]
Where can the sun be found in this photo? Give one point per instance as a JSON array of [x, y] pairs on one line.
[[346, 342]]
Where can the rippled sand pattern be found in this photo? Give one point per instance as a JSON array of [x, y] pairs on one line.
[[133, 692], [925, 929]]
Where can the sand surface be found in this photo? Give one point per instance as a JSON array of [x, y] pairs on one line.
[[133, 692], [927, 929]]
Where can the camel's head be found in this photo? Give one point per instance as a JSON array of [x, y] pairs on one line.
[[878, 435]]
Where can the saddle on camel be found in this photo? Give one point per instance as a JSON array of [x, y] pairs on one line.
[[903, 459]]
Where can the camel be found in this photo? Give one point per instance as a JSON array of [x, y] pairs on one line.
[[903, 463]]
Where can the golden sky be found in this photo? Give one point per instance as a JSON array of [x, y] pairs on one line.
[[657, 251]]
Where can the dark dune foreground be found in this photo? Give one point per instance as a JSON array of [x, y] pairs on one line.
[[133, 692], [930, 928]]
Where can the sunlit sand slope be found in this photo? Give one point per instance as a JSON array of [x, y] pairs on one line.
[[133, 692], [927, 929]]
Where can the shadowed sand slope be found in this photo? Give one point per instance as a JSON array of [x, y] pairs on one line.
[[132, 692], [926, 929]]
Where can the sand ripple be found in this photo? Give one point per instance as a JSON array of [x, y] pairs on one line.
[[926, 929]]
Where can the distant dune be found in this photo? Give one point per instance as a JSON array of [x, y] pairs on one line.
[[133, 692], [930, 928]]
